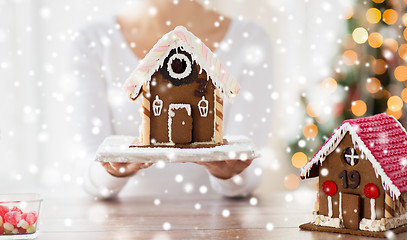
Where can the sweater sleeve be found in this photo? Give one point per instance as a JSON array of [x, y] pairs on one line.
[[249, 114], [91, 117]]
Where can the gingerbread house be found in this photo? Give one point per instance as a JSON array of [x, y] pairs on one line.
[[362, 171], [182, 84]]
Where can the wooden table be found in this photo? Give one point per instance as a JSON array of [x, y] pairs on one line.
[[275, 216]]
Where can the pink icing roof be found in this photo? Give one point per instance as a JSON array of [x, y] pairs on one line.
[[200, 53], [382, 139]]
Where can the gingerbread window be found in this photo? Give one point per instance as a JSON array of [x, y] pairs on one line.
[[179, 66], [350, 156]]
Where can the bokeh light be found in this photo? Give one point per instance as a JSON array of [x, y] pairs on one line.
[[404, 95], [396, 114], [379, 66], [299, 159], [347, 41], [313, 110], [391, 43], [394, 103], [360, 35], [390, 16], [291, 181], [373, 85], [359, 108], [375, 40], [310, 130], [404, 18], [349, 57], [348, 12], [329, 84], [378, 1], [373, 15], [405, 34], [401, 73], [403, 51]]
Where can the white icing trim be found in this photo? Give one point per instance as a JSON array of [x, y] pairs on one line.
[[171, 114], [372, 209], [333, 143], [340, 206], [184, 74], [329, 206], [200, 54]]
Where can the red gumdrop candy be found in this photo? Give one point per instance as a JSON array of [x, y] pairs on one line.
[[3, 210], [1, 230], [16, 209], [12, 217], [329, 188], [21, 230], [30, 217], [371, 191]]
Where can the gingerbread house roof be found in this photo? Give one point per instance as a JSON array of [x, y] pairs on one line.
[[200, 53], [382, 140]]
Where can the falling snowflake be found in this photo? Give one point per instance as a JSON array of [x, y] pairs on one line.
[[253, 201], [225, 213], [197, 206], [68, 222], [203, 189], [270, 227], [179, 178], [166, 226]]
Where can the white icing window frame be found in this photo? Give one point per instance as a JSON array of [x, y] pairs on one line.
[[187, 71], [157, 106]]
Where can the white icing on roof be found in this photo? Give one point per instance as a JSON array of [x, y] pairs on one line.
[[386, 164], [200, 53]]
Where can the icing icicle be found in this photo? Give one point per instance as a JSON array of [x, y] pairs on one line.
[[372, 209], [340, 206], [329, 206]]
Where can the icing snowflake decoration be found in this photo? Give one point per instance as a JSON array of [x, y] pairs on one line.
[[385, 154], [180, 37]]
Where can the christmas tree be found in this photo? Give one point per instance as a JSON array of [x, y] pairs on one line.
[[368, 75]]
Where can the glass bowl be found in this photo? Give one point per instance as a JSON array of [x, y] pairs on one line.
[[19, 215]]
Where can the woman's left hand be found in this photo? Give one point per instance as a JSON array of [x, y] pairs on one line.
[[226, 169]]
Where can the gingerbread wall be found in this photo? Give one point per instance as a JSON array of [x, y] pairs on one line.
[[335, 164], [189, 92]]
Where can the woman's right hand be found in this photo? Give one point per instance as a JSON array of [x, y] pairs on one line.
[[124, 169]]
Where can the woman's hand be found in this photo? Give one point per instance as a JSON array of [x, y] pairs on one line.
[[226, 169], [124, 169]]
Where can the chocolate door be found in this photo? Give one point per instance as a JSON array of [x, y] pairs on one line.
[[350, 210], [180, 123]]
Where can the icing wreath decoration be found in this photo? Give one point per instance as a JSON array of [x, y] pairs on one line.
[[179, 69], [179, 66]]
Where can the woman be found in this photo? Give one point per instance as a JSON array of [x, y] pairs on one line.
[[104, 55]]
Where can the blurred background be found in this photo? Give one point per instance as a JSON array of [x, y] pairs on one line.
[[332, 60]]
